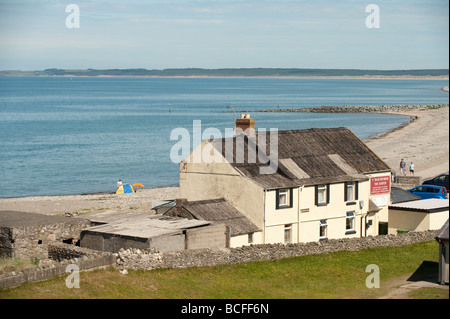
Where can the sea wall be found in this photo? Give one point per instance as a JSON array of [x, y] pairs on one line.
[[397, 108]]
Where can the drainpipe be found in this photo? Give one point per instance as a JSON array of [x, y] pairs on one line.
[[300, 189], [264, 225], [361, 227], [365, 225]]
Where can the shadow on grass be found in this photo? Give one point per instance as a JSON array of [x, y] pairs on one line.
[[428, 271]]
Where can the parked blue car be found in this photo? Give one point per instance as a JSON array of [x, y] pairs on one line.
[[441, 180], [429, 191]]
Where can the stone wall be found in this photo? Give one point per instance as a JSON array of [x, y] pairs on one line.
[[410, 181], [60, 256], [31, 241], [137, 259], [134, 258]]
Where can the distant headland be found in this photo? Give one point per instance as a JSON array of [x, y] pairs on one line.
[[241, 72]]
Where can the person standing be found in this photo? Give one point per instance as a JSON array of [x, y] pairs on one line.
[[411, 169], [402, 167], [119, 183]]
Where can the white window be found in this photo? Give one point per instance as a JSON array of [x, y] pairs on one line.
[[322, 194], [350, 192], [287, 234], [283, 197], [323, 229], [350, 221]]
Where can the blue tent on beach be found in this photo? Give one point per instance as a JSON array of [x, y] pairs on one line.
[[125, 189]]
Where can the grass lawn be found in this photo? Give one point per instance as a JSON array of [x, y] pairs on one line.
[[334, 275]]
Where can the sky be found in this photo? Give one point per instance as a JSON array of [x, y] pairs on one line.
[[160, 34]]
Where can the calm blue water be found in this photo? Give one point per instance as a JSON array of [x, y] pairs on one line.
[[79, 135]]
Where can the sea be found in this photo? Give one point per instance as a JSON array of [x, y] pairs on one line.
[[63, 135]]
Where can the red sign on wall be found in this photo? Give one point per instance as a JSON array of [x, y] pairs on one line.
[[380, 185]]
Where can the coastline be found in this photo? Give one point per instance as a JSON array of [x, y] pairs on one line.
[[346, 77], [349, 77], [424, 141]]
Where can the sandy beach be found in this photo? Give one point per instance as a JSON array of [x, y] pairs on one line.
[[424, 141]]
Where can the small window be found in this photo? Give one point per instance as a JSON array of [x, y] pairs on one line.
[[351, 191], [250, 238], [284, 198], [350, 221], [322, 194], [323, 229], [287, 234]]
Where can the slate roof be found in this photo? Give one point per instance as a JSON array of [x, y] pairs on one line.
[[215, 210], [305, 157], [399, 195]]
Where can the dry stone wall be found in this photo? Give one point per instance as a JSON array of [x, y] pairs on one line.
[[60, 256], [63, 254], [141, 259]]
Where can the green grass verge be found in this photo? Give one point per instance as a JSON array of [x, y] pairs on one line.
[[334, 275]]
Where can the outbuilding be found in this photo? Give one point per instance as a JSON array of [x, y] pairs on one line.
[[27, 235], [418, 215], [145, 231], [219, 211], [442, 239]]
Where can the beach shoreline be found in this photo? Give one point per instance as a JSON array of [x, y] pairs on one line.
[[308, 77], [424, 141]]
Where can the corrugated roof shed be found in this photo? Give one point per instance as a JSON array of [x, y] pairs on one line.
[[425, 205], [305, 157], [146, 225]]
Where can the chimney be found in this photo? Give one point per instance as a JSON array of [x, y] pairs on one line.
[[180, 202], [245, 124]]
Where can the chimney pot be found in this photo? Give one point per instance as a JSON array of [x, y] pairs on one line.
[[245, 124]]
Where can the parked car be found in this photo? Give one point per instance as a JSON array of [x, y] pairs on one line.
[[441, 180], [429, 191]]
